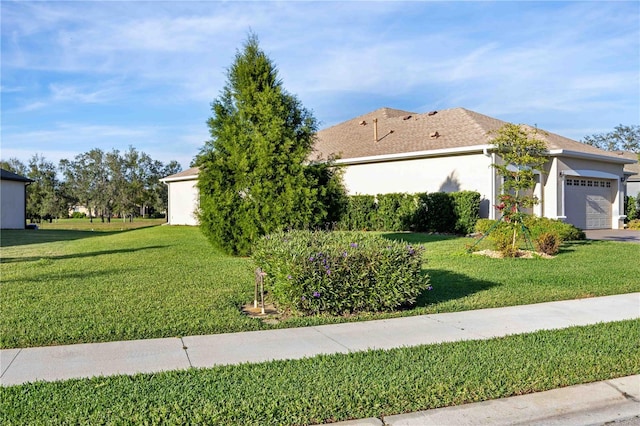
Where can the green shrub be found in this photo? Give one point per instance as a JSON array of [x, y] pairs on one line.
[[395, 212], [339, 272], [547, 243], [631, 208], [483, 225], [360, 212], [466, 206], [509, 250], [565, 231], [78, 215], [634, 224], [502, 233], [435, 213]]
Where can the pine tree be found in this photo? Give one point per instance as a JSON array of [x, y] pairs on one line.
[[252, 178]]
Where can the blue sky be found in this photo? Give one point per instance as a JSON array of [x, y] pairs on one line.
[[79, 75]]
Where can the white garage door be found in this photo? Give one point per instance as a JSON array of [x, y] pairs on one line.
[[588, 202]]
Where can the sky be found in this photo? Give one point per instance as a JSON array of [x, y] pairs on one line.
[[78, 75]]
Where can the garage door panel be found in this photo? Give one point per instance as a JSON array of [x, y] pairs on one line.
[[588, 202]]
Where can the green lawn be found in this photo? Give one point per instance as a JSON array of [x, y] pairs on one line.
[[336, 387], [71, 286]]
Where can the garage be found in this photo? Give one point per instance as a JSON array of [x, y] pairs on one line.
[[588, 202]]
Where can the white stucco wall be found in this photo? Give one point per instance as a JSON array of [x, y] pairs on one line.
[[633, 188], [183, 202], [471, 172], [12, 205], [447, 174]]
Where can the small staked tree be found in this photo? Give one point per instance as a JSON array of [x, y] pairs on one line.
[[522, 154], [252, 178]]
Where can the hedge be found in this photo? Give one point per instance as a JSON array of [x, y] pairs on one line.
[[452, 212]]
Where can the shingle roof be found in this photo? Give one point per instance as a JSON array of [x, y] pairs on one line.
[[406, 132], [7, 175], [634, 168], [188, 174]]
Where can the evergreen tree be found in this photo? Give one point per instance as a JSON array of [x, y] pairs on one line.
[[252, 177]]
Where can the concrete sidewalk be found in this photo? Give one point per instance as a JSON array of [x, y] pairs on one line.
[[154, 355]]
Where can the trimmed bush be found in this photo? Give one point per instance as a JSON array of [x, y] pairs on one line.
[[565, 231], [539, 229], [547, 243], [466, 206], [452, 212], [361, 210], [395, 212], [537, 226], [339, 272], [435, 213], [483, 225]]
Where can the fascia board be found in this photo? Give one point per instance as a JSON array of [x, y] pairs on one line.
[[589, 156], [414, 155]]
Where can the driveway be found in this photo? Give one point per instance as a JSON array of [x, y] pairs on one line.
[[624, 235]]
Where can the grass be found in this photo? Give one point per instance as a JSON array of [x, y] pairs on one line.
[[336, 387], [74, 286]]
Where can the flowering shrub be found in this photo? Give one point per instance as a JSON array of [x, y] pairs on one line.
[[340, 272]]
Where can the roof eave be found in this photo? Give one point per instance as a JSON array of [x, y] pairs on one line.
[[414, 155], [179, 178], [589, 156]]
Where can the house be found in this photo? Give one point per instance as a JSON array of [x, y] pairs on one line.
[[631, 173], [390, 150], [13, 200], [184, 197]]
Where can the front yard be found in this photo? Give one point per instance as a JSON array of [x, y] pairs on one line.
[[63, 287]]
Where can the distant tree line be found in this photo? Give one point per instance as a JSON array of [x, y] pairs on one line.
[[107, 184], [622, 138]]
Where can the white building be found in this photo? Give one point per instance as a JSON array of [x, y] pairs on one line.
[[184, 198], [13, 200]]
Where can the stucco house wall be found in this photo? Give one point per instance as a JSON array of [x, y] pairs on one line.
[[12, 200], [434, 174], [184, 198], [390, 150]]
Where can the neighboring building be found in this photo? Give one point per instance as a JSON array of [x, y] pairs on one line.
[[184, 198], [631, 173], [390, 150], [13, 200]]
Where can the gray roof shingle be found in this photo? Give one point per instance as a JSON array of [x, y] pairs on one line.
[[406, 132]]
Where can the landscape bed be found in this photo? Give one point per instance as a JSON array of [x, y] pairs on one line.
[[71, 286]]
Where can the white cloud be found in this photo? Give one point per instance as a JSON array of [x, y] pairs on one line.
[[529, 61]]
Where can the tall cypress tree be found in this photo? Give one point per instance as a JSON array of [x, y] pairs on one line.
[[252, 177]]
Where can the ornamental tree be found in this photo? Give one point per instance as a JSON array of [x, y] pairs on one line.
[[253, 176], [522, 154]]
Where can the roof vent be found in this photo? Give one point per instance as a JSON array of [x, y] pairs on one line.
[[363, 123], [406, 117], [430, 113], [434, 135]]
